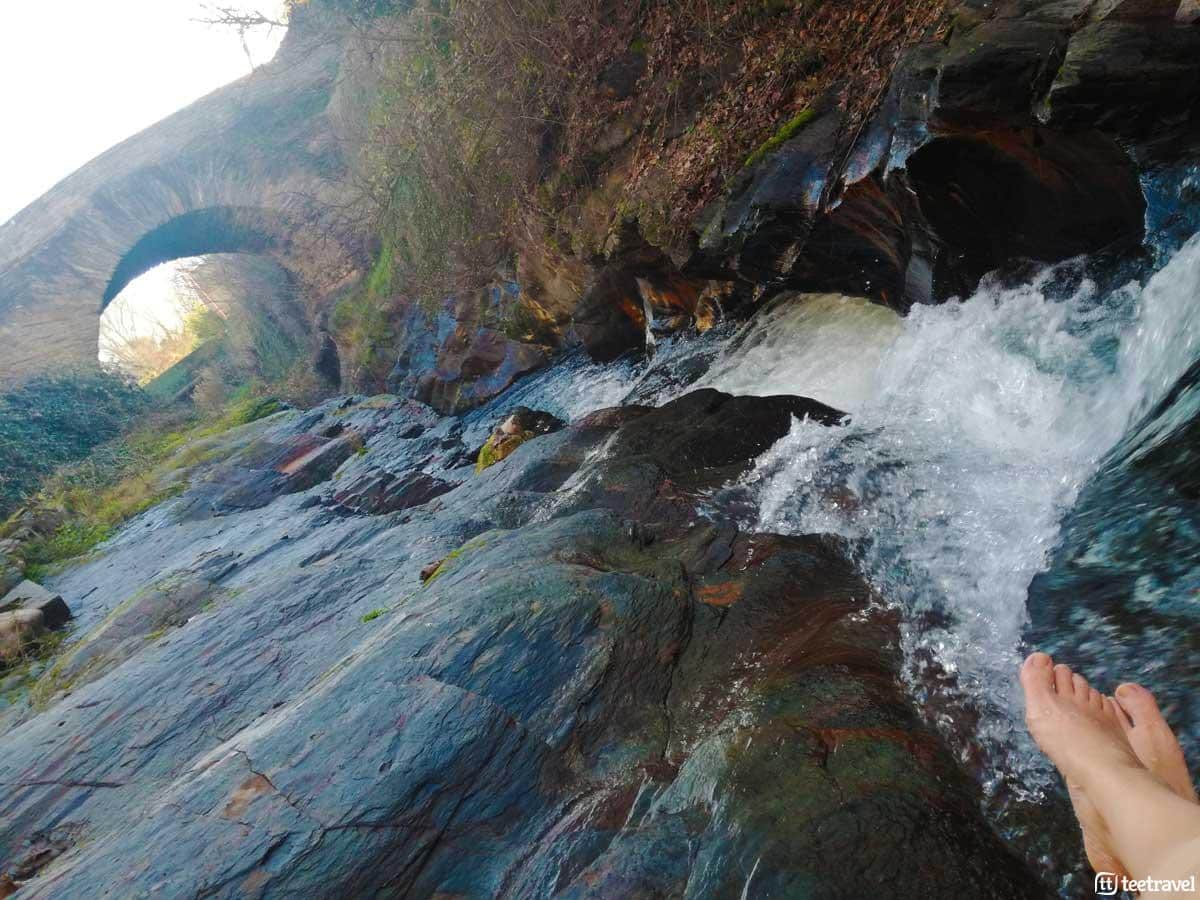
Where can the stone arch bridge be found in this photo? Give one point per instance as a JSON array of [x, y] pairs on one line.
[[254, 167]]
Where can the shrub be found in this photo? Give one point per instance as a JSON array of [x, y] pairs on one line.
[[54, 419]]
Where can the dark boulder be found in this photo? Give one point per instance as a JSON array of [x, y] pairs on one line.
[[998, 69], [1014, 139], [463, 354], [1138, 80], [771, 207], [708, 435], [995, 195]]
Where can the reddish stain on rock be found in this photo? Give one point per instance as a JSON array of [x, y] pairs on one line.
[[725, 593], [250, 790]]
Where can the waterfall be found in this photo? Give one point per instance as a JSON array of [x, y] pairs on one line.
[[985, 420], [975, 426]]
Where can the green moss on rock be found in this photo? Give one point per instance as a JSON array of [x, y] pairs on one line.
[[788, 131], [499, 447], [453, 555]]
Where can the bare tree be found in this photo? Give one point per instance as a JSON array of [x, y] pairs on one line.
[[145, 342], [140, 347], [242, 21]]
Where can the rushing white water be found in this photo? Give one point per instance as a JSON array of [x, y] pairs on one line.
[[975, 424], [984, 420], [831, 344]]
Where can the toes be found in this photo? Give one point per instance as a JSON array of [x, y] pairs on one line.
[[1139, 704], [1112, 712], [1113, 709], [1037, 674], [1063, 682], [1081, 688], [1096, 701], [1152, 738]]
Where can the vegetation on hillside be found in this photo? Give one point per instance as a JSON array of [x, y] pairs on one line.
[[487, 131], [53, 419], [87, 500]]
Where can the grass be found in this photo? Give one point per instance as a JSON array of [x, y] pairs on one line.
[[362, 323], [23, 674], [54, 419], [246, 409], [788, 131], [373, 615], [126, 477]]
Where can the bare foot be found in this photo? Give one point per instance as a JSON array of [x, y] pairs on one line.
[[1152, 738], [1080, 730]]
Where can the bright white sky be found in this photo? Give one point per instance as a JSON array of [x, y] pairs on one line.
[[79, 76]]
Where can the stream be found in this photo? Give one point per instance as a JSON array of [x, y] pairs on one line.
[[1015, 474]]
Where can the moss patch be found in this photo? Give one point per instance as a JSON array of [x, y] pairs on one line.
[[448, 562], [498, 448], [788, 131]]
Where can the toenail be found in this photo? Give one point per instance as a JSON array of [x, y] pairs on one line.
[[1128, 691]]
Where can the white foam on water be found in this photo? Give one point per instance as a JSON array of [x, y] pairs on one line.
[[830, 343], [982, 421]]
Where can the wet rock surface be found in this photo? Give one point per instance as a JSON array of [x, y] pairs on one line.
[[598, 691], [463, 354], [1012, 137]]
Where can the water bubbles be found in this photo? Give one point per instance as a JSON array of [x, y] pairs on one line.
[[983, 420]]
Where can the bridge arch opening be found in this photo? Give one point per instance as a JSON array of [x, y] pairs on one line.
[[201, 232], [211, 323]]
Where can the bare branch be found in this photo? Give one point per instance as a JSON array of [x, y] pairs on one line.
[[240, 20]]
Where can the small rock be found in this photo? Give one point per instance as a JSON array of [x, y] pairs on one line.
[[30, 595], [17, 629], [515, 429], [427, 572]]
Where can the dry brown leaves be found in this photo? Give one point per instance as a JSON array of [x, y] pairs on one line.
[[765, 63]]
